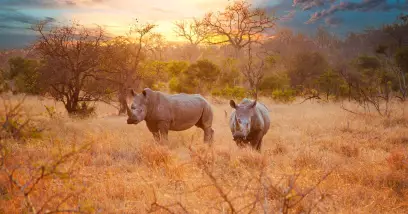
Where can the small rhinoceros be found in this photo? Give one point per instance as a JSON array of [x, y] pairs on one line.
[[249, 123], [163, 112]]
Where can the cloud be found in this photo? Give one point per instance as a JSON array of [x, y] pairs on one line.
[[12, 20], [289, 16], [280, 8], [333, 21], [33, 3], [11, 15], [308, 4], [49, 19], [364, 6], [48, 3], [11, 27]]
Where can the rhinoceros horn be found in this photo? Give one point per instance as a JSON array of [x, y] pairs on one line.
[[128, 111]]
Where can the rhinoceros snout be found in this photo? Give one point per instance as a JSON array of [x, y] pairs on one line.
[[238, 135], [132, 121]]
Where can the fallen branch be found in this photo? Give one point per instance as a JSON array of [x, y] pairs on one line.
[[348, 110], [311, 97]]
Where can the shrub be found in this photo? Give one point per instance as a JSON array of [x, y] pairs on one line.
[[229, 74], [42, 183], [199, 77], [228, 92], [397, 178], [182, 85], [216, 93], [84, 111], [51, 112], [15, 122], [174, 84], [3, 86], [176, 68], [401, 57], [235, 92], [284, 95], [160, 86], [274, 82], [306, 67], [26, 74], [331, 84]]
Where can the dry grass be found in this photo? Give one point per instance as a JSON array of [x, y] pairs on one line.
[[124, 171]]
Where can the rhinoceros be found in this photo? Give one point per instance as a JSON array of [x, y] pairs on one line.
[[163, 112], [249, 122]]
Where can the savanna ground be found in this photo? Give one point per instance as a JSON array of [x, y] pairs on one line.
[[315, 158]]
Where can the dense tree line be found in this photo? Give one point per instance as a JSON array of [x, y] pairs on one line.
[[78, 65]]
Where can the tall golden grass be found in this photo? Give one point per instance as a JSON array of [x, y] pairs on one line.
[[125, 171]]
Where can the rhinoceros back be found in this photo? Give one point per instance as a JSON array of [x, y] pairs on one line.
[[264, 111], [188, 110]]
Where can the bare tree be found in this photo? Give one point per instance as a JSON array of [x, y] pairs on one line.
[[238, 25], [72, 55], [261, 193], [195, 31], [155, 45], [398, 31], [391, 65], [37, 199], [253, 69], [122, 61], [27, 181]]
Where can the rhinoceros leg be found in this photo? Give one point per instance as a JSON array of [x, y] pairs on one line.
[[163, 130], [256, 142], [258, 146], [208, 135], [156, 136], [153, 128], [205, 123]]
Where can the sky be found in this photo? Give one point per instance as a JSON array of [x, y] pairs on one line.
[[339, 16]]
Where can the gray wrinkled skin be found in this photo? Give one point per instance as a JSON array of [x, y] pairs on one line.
[[177, 112], [249, 123]]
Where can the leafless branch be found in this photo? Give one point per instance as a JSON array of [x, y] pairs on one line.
[[238, 24], [194, 31]]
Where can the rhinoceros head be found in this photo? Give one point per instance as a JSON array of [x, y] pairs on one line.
[[243, 116], [137, 111]]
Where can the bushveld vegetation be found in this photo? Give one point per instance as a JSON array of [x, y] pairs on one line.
[[337, 143]]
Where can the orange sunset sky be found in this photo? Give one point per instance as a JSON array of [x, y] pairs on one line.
[[116, 16], [339, 16]]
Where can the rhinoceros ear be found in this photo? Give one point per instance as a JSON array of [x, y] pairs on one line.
[[253, 104], [132, 92], [146, 91], [232, 104]]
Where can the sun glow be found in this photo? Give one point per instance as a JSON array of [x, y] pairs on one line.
[[117, 16]]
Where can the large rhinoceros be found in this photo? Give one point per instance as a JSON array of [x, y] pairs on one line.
[[163, 112], [249, 123]]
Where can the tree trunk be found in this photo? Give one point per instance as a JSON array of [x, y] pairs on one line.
[[72, 105], [254, 89], [122, 109], [122, 98], [404, 86], [72, 102]]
